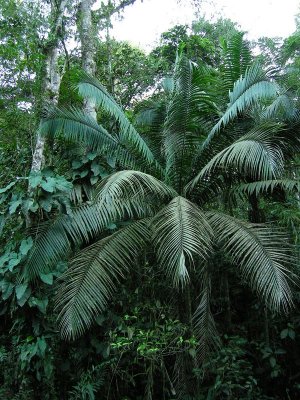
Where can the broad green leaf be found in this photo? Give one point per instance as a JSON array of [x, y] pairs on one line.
[[95, 167], [91, 155], [5, 257], [27, 204], [25, 297], [13, 262], [35, 179], [47, 278], [14, 205], [26, 245], [63, 185], [20, 290], [41, 304], [94, 179], [111, 161], [272, 362], [6, 188], [49, 184], [42, 345], [291, 334], [76, 164], [83, 173]]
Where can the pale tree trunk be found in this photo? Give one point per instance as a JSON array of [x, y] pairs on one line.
[[88, 49], [88, 34], [50, 79]]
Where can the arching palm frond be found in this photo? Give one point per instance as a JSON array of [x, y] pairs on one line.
[[260, 254], [282, 106], [289, 185], [77, 126], [129, 184], [203, 321], [57, 238], [93, 274], [90, 87], [180, 233], [51, 245], [86, 222], [255, 155], [251, 87]]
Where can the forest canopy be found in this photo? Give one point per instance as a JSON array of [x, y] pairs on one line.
[[149, 209]]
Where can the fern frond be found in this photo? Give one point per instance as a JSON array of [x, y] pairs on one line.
[[283, 105]]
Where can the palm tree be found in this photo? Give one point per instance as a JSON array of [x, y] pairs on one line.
[[163, 190]]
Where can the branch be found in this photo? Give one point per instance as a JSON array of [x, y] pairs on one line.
[[110, 11]]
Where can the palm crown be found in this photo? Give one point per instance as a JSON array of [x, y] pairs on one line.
[[164, 186]]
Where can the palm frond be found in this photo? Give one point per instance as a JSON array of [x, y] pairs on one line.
[[282, 104], [181, 129], [203, 321], [235, 61], [55, 240], [250, 88], [75, 125], [90, 87], [260, 254], [180, 233], [255, 155], [51, 244], [289, 185], [129, 184], [93, 275]]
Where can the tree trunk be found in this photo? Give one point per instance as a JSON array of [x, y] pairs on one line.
[[255, 214], [88, 33], [227, 307], [50, 79], [88, 49]]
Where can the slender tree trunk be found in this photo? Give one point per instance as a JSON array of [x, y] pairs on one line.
[[255, 214], [51, 77], [88, 49], [227, 301], [266, 326]]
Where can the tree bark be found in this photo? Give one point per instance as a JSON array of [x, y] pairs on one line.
[[51, 77], [88, 49]]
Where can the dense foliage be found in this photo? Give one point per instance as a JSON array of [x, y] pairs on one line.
[[155, 253]]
